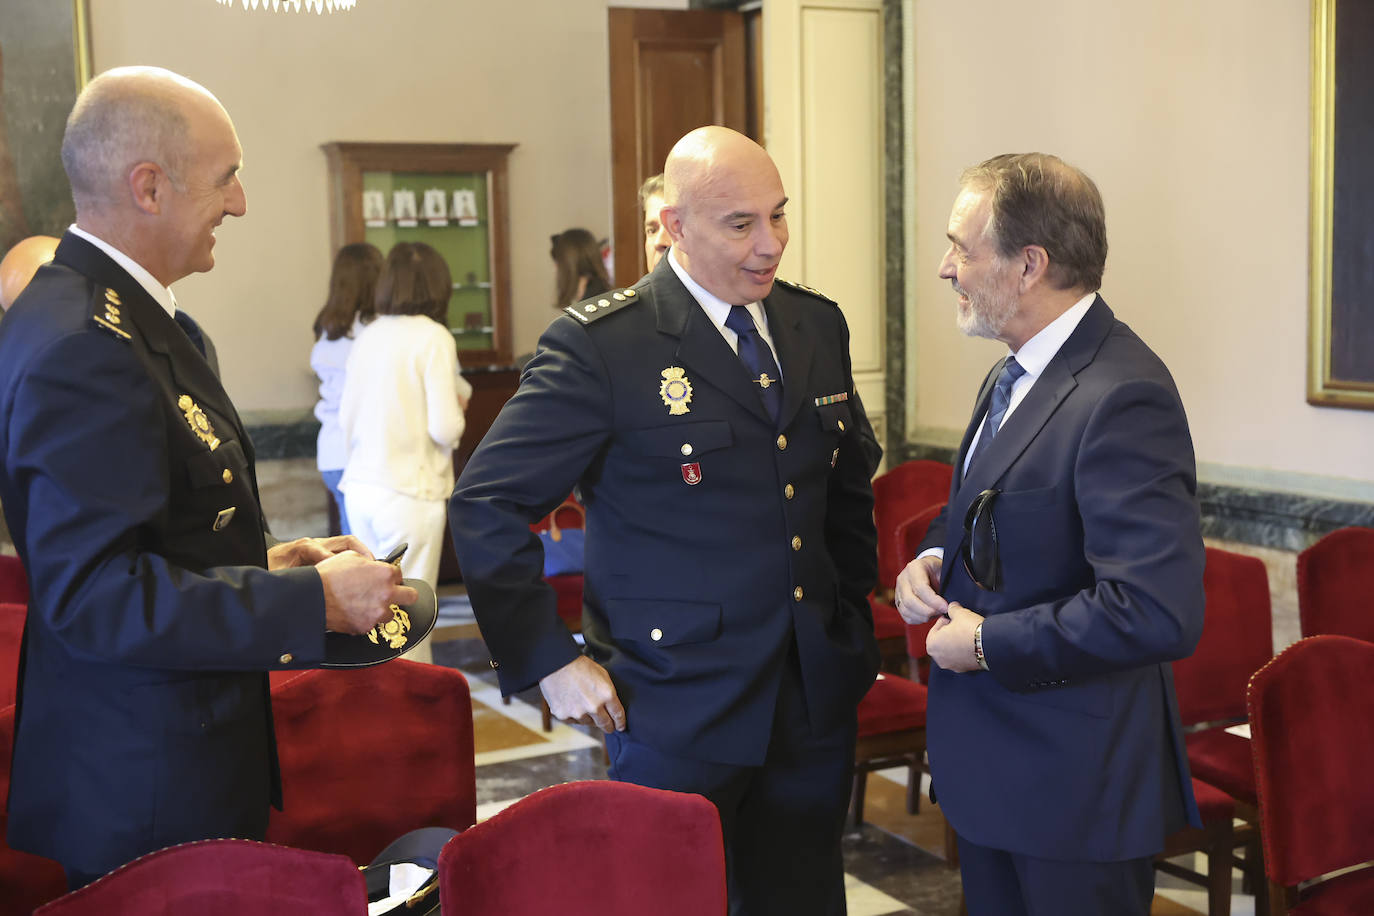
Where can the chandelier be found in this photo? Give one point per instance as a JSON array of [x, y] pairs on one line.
[[318, 6]]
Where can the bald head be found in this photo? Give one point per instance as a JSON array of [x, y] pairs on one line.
[[125, 116], [723, 208], [20, 263], [708, 160]]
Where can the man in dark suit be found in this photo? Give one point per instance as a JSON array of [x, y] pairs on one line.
[[1067, 565], [707, 416], [157, 600]]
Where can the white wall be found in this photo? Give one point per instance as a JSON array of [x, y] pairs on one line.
[[531, 72], [1193, 118]]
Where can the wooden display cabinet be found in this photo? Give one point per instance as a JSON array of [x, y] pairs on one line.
[[452, 196]]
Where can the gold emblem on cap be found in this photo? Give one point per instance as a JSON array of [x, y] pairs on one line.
[[393, 631], [200, 423], [676, 391]]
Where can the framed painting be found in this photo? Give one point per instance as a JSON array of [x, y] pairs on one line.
[[1341, 310], [44, 61]]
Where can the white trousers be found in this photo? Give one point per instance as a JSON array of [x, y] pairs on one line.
[[384, 519]]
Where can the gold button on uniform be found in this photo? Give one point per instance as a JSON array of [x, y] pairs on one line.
[[228, 476], [686, 448], [841, 425], [655, 634], [789, 491], [286, 658], [797, 593], [796, 542], [782, 443], [494, 665]]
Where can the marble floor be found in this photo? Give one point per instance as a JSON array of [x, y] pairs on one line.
[[894, 862]]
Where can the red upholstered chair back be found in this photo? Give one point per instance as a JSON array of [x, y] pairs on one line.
[[11, 632], [369, 754], [662, 851], [222, 878], [1237, 639], [14, 583], [1335, 585], [25, 880], [899, 494], [1312, 727], [909, 535]]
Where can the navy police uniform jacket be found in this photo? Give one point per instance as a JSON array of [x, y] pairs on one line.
[[127, 479], [716, 538], [1069, 747]]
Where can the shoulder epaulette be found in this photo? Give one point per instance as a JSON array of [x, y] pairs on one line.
[[105, 312], [598, 307], [808, 290]]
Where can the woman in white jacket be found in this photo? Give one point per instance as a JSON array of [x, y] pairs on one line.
[[402, 415]]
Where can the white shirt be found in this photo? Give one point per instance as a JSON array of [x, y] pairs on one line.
[[328, 358], [399, 411], [162, 294], [718, 310], [1034, 355]]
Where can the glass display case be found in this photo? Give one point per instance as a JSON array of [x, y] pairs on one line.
[[451, 196]]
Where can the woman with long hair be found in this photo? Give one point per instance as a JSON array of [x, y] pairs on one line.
[[581, 272], [352, 289], [402, 415]]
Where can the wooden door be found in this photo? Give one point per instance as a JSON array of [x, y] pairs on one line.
[[671, 71]]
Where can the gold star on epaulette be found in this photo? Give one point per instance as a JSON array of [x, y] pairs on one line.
[[106, 313], [598, 307]]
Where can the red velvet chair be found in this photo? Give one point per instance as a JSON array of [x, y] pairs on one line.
[[26, 881], [1312, 726], [1335, 581], [11, 632], [892, 732], [662, 853], [14, 583], [905, 491], [909, 536], [1237, 640], [222, 878], [368, 754]]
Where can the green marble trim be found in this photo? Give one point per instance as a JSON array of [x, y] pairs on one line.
[[282, 434], [1287, 518]]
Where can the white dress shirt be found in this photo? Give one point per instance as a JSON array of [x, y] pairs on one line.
[[718, 310]]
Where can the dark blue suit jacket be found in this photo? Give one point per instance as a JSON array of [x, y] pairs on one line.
[[694, 592], [1070, 746], [143, 714]]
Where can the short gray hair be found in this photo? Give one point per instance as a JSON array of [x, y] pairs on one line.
[[1038, 199], [115, 124]]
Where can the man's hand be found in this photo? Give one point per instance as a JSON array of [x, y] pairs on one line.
[[310, 551], [918, 590], [950, 642], [581, 691], [359, 592]]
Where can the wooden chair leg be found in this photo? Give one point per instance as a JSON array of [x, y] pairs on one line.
[[951, 847], [545, 714], [913, 785], [1219, 864]]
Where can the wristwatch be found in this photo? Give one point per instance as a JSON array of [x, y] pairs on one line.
[[978, 646]]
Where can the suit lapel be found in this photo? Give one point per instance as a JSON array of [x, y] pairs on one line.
[[701, 347], [794, 352], [1030, 417]]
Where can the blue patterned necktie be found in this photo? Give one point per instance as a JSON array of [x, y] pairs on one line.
[[757, 358], [997, 407], [188, 324]]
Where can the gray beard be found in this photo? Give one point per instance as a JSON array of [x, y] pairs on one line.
[[987, 316]]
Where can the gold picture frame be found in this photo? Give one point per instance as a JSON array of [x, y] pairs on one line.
[[1341, 283]]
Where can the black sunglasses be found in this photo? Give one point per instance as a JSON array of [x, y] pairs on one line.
[[981, 561]]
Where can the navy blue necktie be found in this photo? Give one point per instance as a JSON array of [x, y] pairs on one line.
[[188, 324], [757, 358], [997, 407]]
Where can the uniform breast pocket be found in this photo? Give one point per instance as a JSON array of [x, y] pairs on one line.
[[680, 440], [836, 418], [216, 468]]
